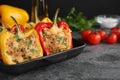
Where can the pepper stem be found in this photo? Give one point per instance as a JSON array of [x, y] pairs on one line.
[[55, 17], [55, 29], [19, 32]]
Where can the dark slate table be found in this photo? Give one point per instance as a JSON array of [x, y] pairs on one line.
[[96, 62]]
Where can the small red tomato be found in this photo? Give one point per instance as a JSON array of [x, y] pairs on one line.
[[112, 38], [85, 33], [102, 33], [116, 30], [94, 38]]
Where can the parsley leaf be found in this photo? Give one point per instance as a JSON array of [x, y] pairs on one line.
[[77, 21]]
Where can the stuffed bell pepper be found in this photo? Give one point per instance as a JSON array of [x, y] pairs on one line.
[[54, 37], [20, 46]]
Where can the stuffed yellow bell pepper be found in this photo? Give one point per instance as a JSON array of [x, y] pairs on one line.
[[20, 47]]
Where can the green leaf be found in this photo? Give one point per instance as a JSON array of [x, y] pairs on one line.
[[77, 21]]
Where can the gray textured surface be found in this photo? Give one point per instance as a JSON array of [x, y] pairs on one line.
[[96, 62]]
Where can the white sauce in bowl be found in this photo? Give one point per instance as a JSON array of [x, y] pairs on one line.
[[107, 22]]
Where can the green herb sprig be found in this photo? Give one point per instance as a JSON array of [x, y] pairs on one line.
[[77, 21]]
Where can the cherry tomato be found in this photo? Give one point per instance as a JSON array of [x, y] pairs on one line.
[[116, 30], [112, 38], [85, 33], [102, 33], [94, 38]]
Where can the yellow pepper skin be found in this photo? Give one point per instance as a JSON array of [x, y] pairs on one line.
[[29, 25], [2, 29], [46, 19], [13, 57], [18, 13]]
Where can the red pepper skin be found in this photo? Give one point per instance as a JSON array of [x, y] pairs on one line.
[[64, 24], [13, 29], [41, 25]]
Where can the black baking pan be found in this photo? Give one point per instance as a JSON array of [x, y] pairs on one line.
[[78, 46]]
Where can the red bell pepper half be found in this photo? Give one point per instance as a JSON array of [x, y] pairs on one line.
[[54, 37]]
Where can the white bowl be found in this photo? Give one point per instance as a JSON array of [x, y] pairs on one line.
[[108, 21]]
